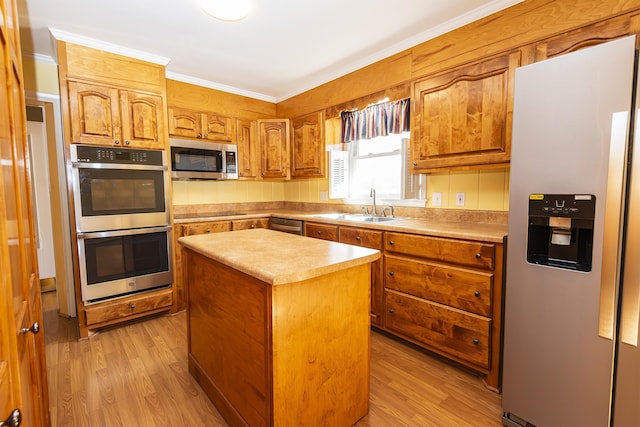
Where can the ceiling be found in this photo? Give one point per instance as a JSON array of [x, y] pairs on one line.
[[283, 48]]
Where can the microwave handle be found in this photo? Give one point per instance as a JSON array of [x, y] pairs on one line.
[[117, 233]]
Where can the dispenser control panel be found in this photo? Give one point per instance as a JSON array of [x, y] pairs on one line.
[[560, 232]]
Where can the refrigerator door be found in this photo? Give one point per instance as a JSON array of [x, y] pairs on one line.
[[626, 409], [557, 368]]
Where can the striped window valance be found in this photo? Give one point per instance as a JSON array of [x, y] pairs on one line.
[[376, 120]]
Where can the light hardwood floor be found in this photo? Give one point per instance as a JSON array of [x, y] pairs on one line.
[[137, 375]]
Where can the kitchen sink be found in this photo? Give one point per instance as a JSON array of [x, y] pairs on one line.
[[356, 217]]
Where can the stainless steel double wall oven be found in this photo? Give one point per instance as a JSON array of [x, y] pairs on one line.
[[122, 220]]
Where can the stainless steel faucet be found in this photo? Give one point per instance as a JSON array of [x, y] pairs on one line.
[[372, 193]]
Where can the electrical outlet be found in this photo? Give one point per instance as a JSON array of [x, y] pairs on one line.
[[436, 199], [459, 199], [324, 195]]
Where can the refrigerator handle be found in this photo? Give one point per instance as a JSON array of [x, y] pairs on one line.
[[611, 246], [630, 314]]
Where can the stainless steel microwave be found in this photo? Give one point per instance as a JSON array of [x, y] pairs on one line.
[[192, 159]]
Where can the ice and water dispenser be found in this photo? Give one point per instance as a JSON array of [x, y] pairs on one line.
[[560, 230]]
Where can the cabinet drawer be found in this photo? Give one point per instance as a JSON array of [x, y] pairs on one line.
[[457, 287], [129, 307], [205, 227], [321, 231], [243, 224], [463, 252], [445, 330], [361, 237]]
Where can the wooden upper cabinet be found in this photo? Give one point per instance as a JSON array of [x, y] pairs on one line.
[[104, 115], [95, 114], [590, 35], [187, 123], [463, 117], [184, 123], [217, 128], [248, 156], [307, 148], [142, 120], [273, 138]]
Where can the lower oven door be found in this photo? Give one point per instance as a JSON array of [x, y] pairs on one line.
[[117, 263]]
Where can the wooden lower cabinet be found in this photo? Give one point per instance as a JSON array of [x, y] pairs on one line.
[[446, 295], [321, 231], [190, 229], [243, 224], [368, 239], [122, 309]]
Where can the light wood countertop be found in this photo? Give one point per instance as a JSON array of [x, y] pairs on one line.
[[457, 230], [277, 258]]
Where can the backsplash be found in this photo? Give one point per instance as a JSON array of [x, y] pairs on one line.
[[485, 190]]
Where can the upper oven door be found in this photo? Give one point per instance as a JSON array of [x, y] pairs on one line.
[[112, 196]]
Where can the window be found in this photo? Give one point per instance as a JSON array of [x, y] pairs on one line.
[[381, 163]]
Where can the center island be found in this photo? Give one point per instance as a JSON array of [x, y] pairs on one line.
[[278, 327]]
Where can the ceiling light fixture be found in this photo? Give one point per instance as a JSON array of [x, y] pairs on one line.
[[226, 10]]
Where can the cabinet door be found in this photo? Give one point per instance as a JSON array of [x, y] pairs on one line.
[[248, 165], [184, 123], [463, 117], [273, 137], [217, 128], [95, 115], [307, 149], [142, 120]]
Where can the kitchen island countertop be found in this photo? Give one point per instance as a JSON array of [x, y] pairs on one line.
[[274, 257]]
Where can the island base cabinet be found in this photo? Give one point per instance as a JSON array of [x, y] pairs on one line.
[[280, 355]]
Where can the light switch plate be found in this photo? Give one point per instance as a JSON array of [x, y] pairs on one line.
[[436, 199], [459, 199]]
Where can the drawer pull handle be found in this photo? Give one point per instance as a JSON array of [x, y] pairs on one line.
[[478, 256], [34, 329], [476, 294], [391, 273], [476, 341], [13, 420], [391, 310], [132, 306]]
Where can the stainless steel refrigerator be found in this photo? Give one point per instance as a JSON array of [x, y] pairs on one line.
[[572, 295]]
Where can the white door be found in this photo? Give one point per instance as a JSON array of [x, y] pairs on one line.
[[36, 131]]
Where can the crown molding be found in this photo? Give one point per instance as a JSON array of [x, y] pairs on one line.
[[218, 86]]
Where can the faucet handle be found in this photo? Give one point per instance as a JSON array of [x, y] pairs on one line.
[[366, 210], [384, 211]]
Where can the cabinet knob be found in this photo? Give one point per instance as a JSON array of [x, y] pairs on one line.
[[127, 143], [208, 230], [34, 329], [319, 232], [391, 273], [358, 238], [13, 420], [253, 226], [391, 310], [199, 135], [476, 294], [117, 142], [478, 256], [391, 242], [415, 164], [132, 306], [476, 341]]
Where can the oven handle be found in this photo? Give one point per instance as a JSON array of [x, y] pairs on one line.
[[81, 165], [116, 233]]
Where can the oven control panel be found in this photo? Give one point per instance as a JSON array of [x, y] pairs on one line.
[[126, 156]]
